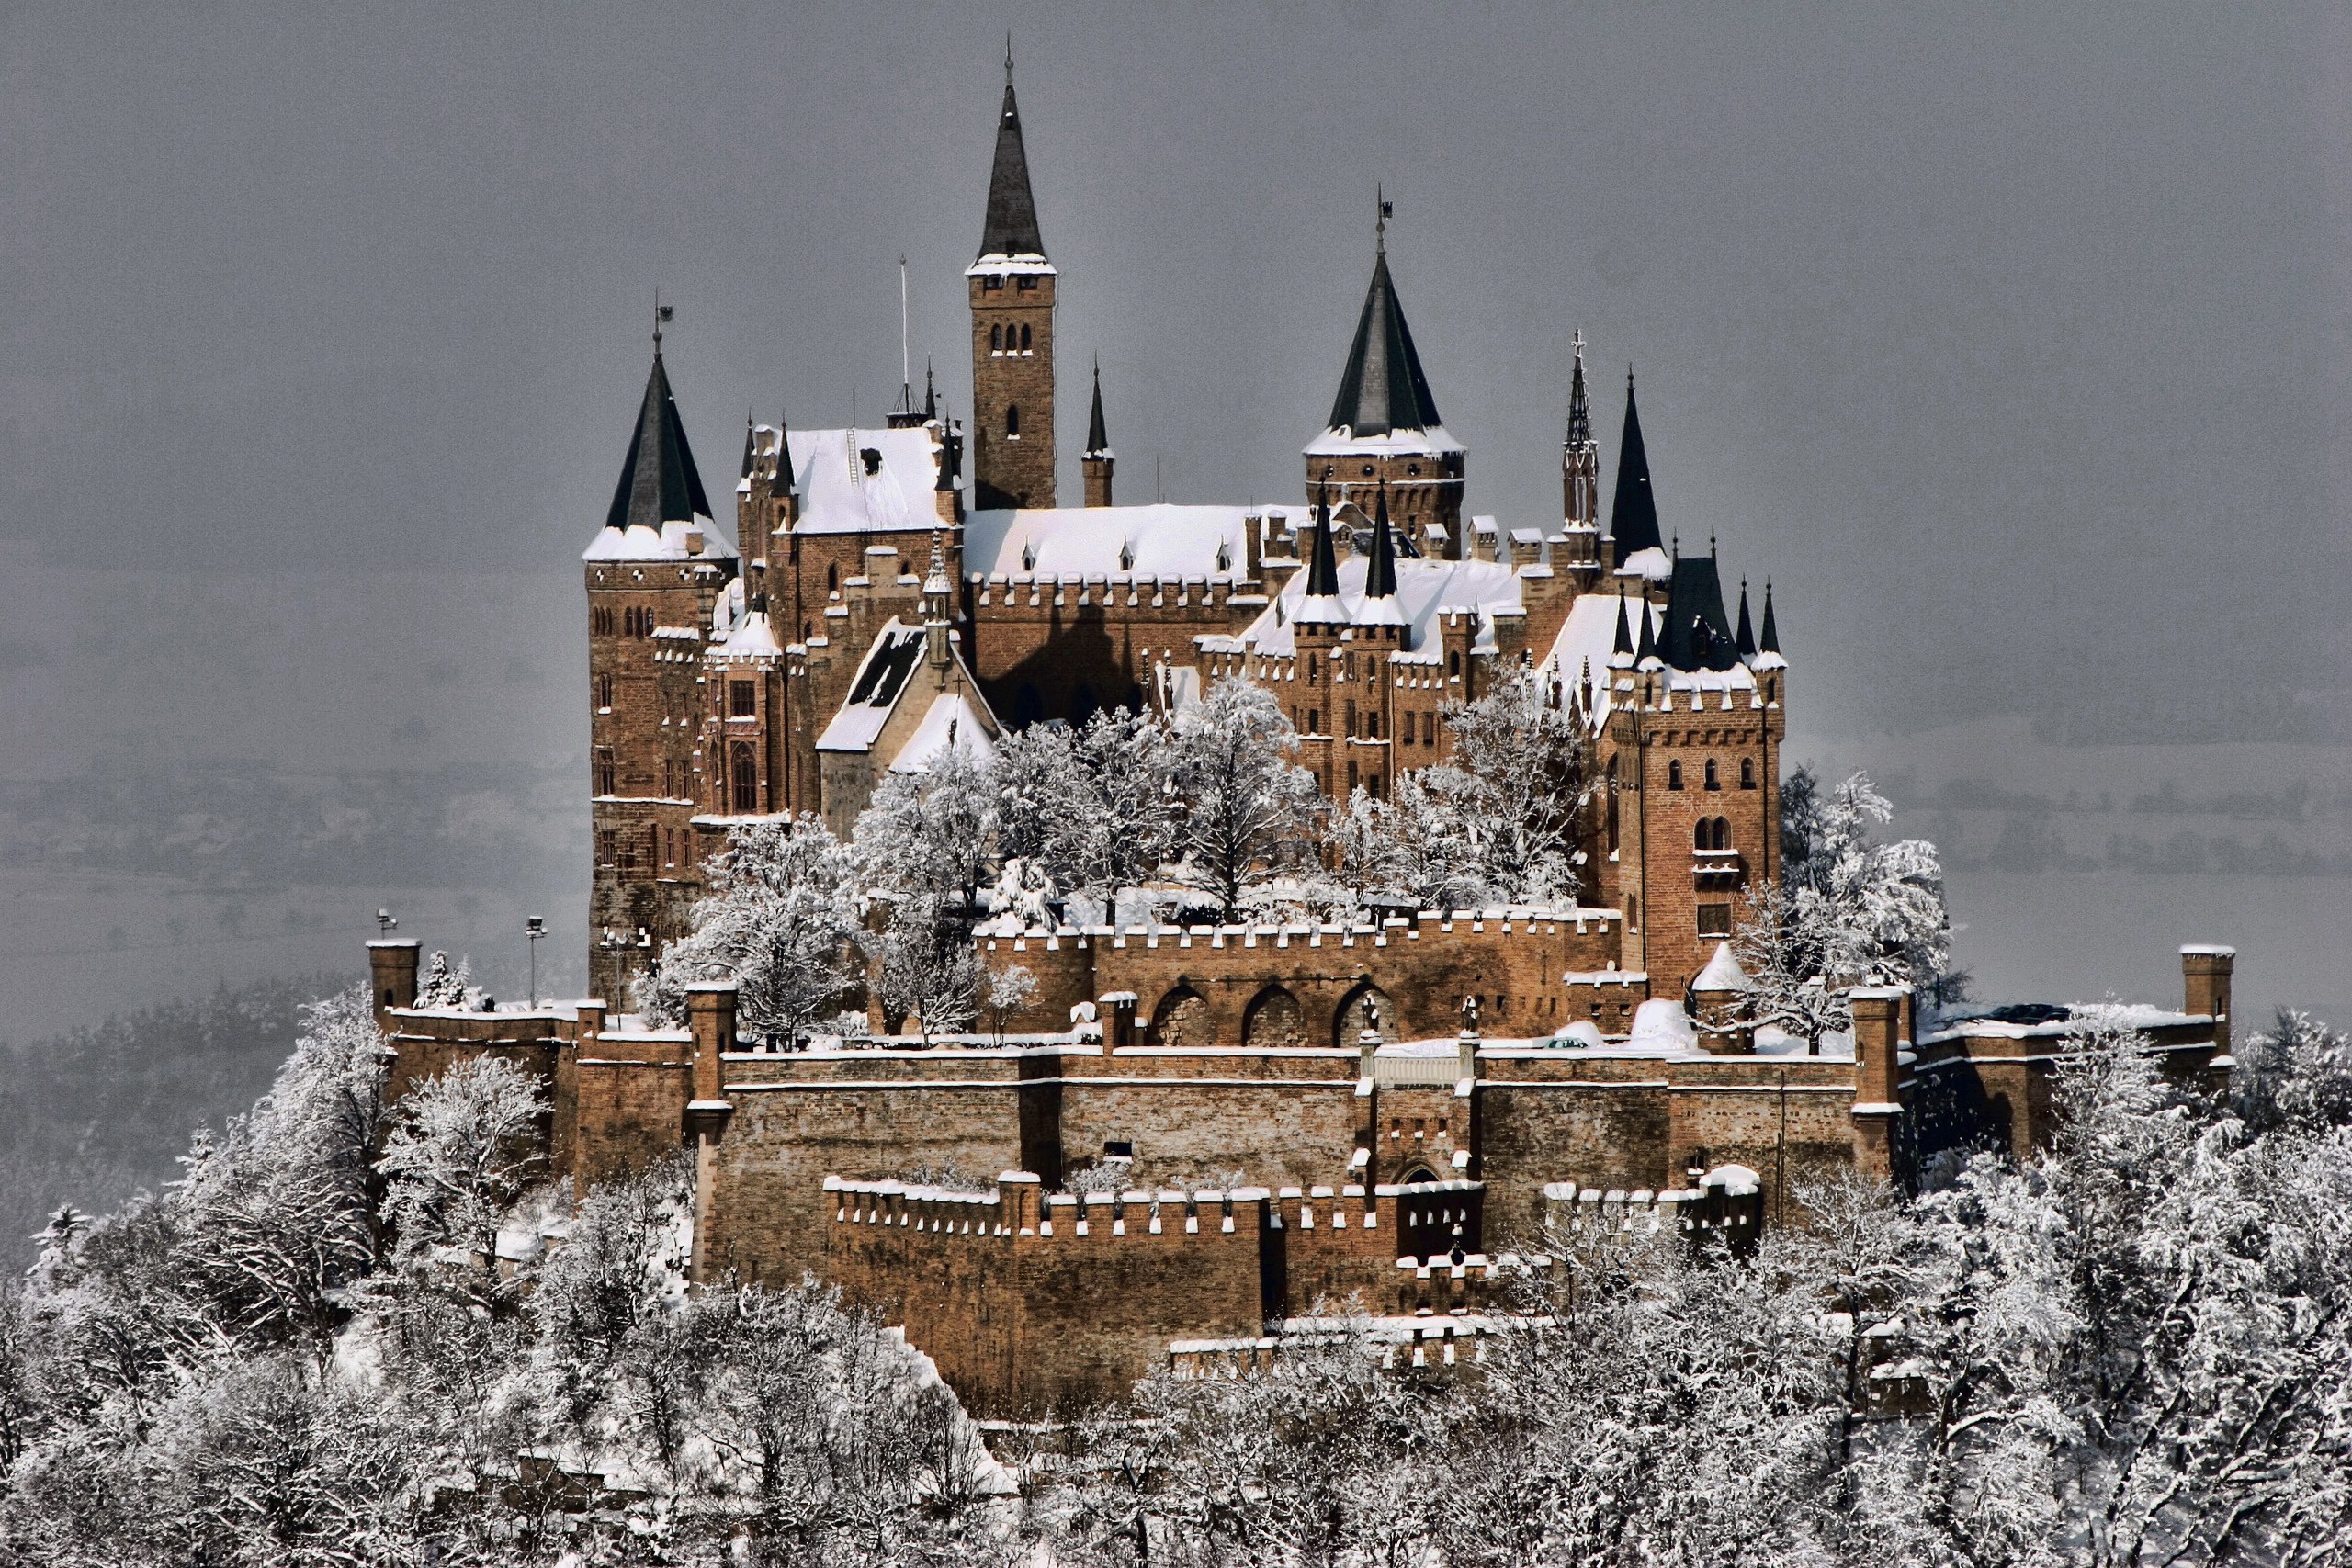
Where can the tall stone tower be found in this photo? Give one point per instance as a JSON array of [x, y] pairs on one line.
[[1384, 428], [653, 572], [1012, 287]]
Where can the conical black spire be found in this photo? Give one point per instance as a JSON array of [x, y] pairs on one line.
[[1745, 639], [786, 476], [1380, 577], [1382, 388], [929, 395], [1696, 634], [1098, 437], [1632, 518], [1011, 228], [1771, 642], [1322, 564], [747, 446], [1624, 643], [659, 482], [1647, 650]]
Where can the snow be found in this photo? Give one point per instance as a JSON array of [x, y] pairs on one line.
[[672, 542], [1582, 1035], [1723, 973], [951, 720], [1425, 591], [750, 638], [1651, 564], [1662, 1021], [838, 496], [882, 675], [1127, 545], [998, 263], [1342, 441]]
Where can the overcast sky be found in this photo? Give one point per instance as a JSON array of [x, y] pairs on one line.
[[2009, 340]]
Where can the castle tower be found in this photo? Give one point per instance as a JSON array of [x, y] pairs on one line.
[[1099, 457], [654, 573], [1012, 291], [1385, 426]]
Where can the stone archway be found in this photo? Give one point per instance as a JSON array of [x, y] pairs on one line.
[[1182, 1019], [1274, 1018], [1356, 1010]]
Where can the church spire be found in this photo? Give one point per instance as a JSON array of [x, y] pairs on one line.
[[1322, 605], [1623, 649], [1579, 413], [1012, 227], [1771, 641], [1579, 455], [1744, 638], [1382, 389], [1633, 516]]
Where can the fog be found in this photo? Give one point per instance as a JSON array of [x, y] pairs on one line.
[[2009, 342]]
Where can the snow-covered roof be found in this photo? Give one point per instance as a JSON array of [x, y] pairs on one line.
[[1652, 564], [1661, 1021], [750, 638], [881, 678], [641, 543], [1072, 543], [1587, 640], [839, 496], [1723, 973], [1342, 441], [1425, 589], [952, 721]]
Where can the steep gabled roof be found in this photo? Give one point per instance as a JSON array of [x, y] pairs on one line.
[[659, 481], [1632, 515], [1012, 227], [1382, 388]]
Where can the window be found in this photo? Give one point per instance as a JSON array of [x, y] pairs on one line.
[[1027, 284], [1353, 780], [1372, 723], [832, 577], [1454, 664], [1024, 340], [1748, 772], [1715, 919], [1714, 781], [603, 694], [1408, 727], [607, 847], [604, 769], [1314, 721], [746, 775], [1379, 787], [1352, 731], [1012, 422], [742, 700], [652, 846], [600, 620], [1674, 776], [992, 285], [1118, 1148], [1632, 913], [1712, 833], [996, 340], [1314, 670]]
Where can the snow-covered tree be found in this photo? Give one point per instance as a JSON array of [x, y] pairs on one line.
[[926, 968], [1247, 808], [1009, 989], [442, 986], [1534, 783], [931, 833], [464, 1145], [780, 920]]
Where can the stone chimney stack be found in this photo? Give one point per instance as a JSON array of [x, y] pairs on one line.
[[2205, 985], [1878, 1040]]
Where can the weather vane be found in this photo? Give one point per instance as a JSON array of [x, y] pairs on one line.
[[662, 315]]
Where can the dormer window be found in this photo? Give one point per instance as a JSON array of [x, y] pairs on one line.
[[872, 457], [992, 285], [1026, 283]]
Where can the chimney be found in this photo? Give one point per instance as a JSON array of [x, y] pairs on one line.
[[2205, 985], [391, 969]]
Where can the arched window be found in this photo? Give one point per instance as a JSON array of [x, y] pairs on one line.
[[1454, 662], [833, 578], [1024, 340], [1012, 421], [603, 694], [1674, 776], [1714, 781], [1748, 772], [746, 778], [605, 771], [996, 339]]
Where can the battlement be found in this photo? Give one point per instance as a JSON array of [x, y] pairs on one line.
[[1727, 1202]]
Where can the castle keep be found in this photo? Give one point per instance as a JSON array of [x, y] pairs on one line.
[[1292, 1114]]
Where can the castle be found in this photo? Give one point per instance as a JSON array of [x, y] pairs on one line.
[[1294, 1114]]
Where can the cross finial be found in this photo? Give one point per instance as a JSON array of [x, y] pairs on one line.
[[1387, 209], [661, 315], [1008, 57]]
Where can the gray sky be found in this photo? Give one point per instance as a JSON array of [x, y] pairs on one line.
[[2007, 340]]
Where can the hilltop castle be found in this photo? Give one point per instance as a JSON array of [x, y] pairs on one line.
[[1298, 1112]]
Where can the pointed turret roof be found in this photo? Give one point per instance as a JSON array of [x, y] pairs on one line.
[[1012, 227], [1382, 389], [749, 430], [1768, 646], [1624, 643], [1744, 638], [1380, 577], [1645, 655], [786, 476], [1696, 634], [1321, 602], [1098, 436], [1633, 516], [659, 481]]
